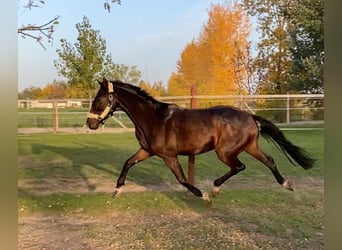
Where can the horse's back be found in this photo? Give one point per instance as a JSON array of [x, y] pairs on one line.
[[232, 115], [207, 117]]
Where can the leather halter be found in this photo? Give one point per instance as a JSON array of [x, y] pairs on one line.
[[108, 108]]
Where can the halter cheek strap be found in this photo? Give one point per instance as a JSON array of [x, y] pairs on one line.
[[100, 117], [107, 109]]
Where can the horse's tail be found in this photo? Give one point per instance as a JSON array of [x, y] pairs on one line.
[[271, 131]]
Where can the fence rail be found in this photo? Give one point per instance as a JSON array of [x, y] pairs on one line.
[[71, 113]]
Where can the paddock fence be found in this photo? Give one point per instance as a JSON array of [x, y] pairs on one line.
[[69, 115]]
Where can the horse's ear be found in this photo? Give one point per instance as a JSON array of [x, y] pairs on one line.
[[105, 81], [100, 83]]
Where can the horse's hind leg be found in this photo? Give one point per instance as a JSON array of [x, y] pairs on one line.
[[176, 169], [256, 152], [235, 167]]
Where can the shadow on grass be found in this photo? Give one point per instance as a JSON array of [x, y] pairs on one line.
[[93, 162], [90, 165], [85, 163]]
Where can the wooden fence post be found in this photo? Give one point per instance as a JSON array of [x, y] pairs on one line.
[[287, 108], [55, 117], [191, 158]]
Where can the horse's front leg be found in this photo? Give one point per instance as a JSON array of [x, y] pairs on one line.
[[140, 155]]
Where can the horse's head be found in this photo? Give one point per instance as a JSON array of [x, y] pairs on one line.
[[103, 105]]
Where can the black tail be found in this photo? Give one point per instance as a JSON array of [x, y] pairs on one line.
[[271, 131]]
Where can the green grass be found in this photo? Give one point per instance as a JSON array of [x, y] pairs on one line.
[[251, 212], [104, 154]]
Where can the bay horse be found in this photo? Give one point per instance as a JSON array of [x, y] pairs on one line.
[[167, 130]]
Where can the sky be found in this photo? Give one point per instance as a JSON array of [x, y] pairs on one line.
[[149, 34]]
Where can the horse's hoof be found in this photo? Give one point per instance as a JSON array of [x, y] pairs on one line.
[[215, 191], [206, 197], [288, 185], [116, 192]]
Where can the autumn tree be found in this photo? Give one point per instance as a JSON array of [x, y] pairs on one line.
[[156, 89], [216, 61], [188, 70], [225, 37], [30, 93], [176, 85], [54, 90]]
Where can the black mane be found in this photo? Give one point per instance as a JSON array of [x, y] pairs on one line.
[[137, 90]]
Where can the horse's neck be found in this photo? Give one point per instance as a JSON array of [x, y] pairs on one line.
[[140, 111]]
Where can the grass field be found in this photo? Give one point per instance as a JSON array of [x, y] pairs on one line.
[[64, 185]]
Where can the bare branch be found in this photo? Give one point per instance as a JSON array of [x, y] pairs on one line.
[[107, 4], [32, 4], [37, 32]]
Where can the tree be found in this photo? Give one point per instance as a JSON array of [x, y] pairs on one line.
[[306, 45], [291, 48], [40, 31], [217, 61], [225, 36], [155, 89], [82, 63], [30, 93], [54, 90], [273, 57], [190, 69], [87, 60], [176, 85], [121, 72]]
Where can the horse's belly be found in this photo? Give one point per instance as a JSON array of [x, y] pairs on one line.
[[190, 137], [195, 145]]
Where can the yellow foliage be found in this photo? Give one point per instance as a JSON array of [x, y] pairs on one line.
[[53, 91], [155, 90], [216, 60]]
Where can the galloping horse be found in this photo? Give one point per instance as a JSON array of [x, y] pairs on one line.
[[167, 130]]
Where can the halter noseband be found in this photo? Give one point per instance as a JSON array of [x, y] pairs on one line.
[[107, 109]]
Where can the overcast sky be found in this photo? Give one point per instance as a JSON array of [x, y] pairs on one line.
[[147, 33]]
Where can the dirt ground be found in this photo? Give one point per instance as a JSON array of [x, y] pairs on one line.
[[79, 230], [119, 231]]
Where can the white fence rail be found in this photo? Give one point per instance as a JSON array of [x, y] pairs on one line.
[[71, 113]]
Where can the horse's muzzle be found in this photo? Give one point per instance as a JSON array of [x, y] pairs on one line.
[[93, 123]]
